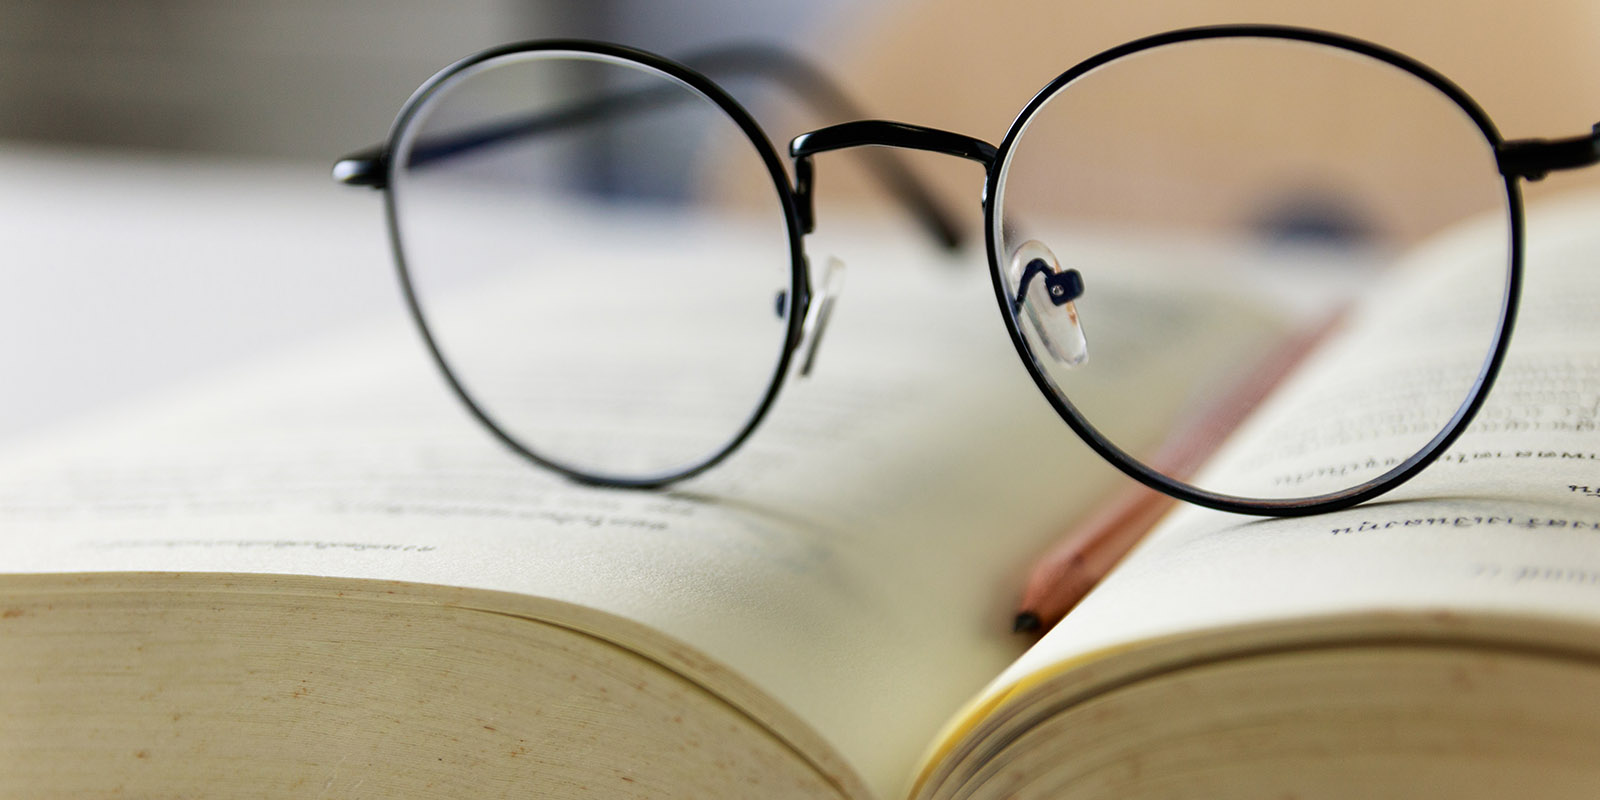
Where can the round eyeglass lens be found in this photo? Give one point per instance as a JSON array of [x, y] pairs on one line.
[[1302, 242], [590, 283]]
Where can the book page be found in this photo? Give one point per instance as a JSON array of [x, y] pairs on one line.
[[845, 577], [1501, 537]]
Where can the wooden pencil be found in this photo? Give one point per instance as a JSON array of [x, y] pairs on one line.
[[1091, 548]]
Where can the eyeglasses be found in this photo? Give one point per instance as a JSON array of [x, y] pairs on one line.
[[1211, 163]]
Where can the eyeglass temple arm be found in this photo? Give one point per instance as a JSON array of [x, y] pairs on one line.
[[1534, 158], [813, 86], [367, 167]]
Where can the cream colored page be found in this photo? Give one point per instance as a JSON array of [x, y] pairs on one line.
[[358, 465], [1508, 521], [852, 561], [848, 573]]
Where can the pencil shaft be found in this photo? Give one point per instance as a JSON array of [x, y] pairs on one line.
[[1093, 547], [1080, 560]]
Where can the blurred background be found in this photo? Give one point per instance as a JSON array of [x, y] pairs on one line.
[[305, 78], [150, 150], [165, 204]]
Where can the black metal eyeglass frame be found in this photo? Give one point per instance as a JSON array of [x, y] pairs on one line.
[[1529, 159]]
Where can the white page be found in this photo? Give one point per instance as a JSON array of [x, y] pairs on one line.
[[847, 576], [1506, 523]]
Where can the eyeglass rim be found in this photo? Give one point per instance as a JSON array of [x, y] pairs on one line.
[[1133, 467], [799, 295], [799, 283]]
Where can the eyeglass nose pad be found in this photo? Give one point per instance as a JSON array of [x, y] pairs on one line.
[[816, 322], [1047, 294]]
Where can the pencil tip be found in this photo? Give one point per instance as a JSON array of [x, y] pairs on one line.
[[1026, 622]]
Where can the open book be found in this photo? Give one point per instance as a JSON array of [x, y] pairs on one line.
[[319, 578]]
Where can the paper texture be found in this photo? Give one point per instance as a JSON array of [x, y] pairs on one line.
[[1503, 528], [844, 578]]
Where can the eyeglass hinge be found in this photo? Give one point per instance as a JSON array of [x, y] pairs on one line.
[[1534, 158], [365, 168]]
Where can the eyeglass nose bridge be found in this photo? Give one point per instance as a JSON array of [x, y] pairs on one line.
[[874, 133]]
